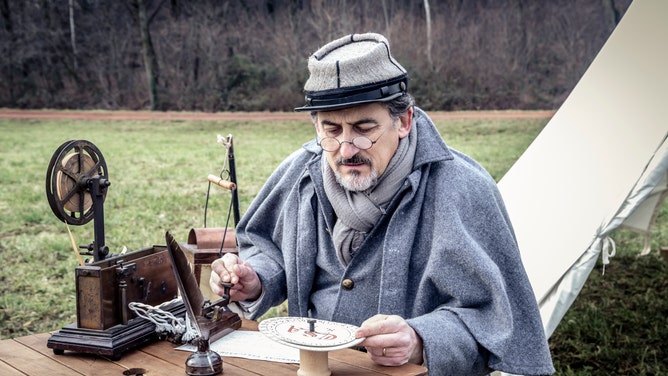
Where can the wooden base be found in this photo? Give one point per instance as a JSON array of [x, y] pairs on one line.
[[217, 328], [112, 342]]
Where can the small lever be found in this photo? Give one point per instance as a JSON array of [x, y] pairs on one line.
[[226, 290]]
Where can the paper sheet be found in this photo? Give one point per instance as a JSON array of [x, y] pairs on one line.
[[251, 345]]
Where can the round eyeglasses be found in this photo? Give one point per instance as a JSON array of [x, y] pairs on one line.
[[361, 142]]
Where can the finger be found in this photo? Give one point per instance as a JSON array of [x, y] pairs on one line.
[[374, 319], [378, 341], [374, 352], [224, 267], [387, 356], [236, 274], [380, 324], [228, 260], [243, 270], [215, 284], [363, 330]]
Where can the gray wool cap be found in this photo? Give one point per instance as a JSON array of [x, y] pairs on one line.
[[353, 70]]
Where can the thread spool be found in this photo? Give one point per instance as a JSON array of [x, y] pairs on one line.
[[313, 363]]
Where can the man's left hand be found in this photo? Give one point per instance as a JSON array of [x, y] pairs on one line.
[[390, 341]]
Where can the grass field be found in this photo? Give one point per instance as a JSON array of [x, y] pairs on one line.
[[158, 172]]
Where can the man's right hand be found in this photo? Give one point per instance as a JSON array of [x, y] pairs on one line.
[[230, 268]]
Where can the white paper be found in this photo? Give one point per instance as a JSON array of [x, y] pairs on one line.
[[251, 345]]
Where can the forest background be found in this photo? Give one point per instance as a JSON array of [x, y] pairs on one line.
[[250, 55]]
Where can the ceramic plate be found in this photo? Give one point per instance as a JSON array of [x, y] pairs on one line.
[[295, 332]]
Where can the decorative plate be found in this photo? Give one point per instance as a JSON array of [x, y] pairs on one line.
[[296, 332]]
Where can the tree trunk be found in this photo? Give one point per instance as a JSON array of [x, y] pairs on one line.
[[9, 58], [611, 13], [386, 16], [6, 16], [427, 15], [73, 38], [148, 52]]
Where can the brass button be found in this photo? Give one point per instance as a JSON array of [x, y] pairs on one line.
[[348, 284]]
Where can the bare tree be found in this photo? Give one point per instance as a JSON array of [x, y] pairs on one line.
[[611, 13], [427, 15], [73, 39], [148, 51], [386, 18], [8, 49]]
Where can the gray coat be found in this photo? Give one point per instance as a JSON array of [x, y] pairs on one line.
[[444, 257]]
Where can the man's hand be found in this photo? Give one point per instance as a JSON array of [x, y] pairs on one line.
[[390, 341], [230, 268]]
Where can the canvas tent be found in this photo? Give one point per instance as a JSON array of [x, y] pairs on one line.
[[601, 162]]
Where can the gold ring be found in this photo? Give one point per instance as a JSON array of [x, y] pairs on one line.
[[384, 349]]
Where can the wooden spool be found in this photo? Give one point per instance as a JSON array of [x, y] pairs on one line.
[[313, 363]]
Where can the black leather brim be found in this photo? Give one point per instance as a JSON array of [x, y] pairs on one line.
[[332, 105]]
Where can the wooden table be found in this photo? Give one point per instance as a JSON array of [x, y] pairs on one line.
[[30, 356]]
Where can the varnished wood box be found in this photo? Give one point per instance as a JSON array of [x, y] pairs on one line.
[[105, 288]]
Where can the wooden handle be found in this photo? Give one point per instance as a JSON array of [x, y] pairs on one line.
[[222, 183]]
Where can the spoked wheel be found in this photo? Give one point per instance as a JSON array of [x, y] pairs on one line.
[[68, 177]]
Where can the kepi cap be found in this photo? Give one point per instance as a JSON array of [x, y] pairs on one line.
[[353, 70]]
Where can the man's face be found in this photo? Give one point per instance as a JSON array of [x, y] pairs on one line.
[[356, 169]]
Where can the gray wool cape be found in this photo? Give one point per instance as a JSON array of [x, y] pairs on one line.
[[444, 257]]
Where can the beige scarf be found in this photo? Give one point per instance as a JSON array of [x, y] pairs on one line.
[[357, 212]]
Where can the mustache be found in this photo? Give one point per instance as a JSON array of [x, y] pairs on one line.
[[356, 159]]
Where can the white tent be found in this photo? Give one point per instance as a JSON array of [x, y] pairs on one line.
[[601, 162]]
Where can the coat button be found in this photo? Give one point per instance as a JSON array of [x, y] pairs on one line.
[[348, 284]]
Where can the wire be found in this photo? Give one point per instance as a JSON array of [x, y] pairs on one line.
[[227, 223], [74, 244], [224, 170], [208, 189]]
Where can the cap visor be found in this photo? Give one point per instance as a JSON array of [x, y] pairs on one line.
[[332, 105]]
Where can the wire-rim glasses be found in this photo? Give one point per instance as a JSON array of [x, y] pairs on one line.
[[332, 144]]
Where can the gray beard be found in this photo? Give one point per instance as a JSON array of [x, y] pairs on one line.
[[355, 182]]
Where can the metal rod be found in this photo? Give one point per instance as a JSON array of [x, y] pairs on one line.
[[233, 179], [97, 186]]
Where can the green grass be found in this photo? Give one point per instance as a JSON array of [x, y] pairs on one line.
[[617, 326], [158, 172]]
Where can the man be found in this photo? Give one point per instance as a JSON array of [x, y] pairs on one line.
[[378, 223]]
